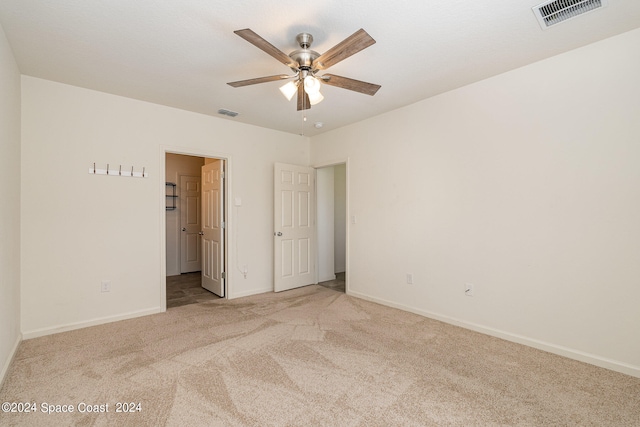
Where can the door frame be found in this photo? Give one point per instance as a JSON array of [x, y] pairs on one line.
[[195, 152], [341, 161]]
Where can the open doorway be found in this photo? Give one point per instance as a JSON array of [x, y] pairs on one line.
[[195, 229], [331, 184]]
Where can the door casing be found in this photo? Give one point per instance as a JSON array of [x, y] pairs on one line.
[[341, 161], [228, 159]]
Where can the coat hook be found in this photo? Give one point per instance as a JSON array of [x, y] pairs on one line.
[[107, 168], [131, 170], [94, 168], [120, 171], [143, 172]]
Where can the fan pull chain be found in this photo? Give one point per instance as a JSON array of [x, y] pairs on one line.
[[304, 117]]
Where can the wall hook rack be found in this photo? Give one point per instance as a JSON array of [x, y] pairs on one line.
[[119, 171]]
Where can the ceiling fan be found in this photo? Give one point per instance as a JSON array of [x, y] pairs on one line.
[[306, 63]]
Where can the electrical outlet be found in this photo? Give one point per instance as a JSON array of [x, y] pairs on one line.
[[105, 286], [409, 278], [468, 289]]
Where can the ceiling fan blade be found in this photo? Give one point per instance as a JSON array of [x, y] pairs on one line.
[[351, 84], [303, 99], [353, 44], [257, 80], [267, 47]]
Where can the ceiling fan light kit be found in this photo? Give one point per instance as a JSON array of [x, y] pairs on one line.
[[315, 98], [289, 89], [306, 63], [311, 85]]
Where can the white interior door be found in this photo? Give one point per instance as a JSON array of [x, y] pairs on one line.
[[294, 227], [190, 224], [213, 227]]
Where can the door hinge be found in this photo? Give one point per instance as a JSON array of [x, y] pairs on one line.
[[224, 275], [224, 224], [221, 175]]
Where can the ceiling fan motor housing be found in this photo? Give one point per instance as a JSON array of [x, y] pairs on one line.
[[304, 56]]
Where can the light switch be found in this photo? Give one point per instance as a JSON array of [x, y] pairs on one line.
[[237, 201]]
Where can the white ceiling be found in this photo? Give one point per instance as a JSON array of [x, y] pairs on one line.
[[181, 53]]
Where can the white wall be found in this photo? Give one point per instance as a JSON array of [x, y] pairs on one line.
[[79, 229], [525, 185], [325, 223], [10, 210], [177, 165]]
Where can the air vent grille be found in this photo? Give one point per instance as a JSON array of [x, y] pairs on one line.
[[227, 112], [554, 12]]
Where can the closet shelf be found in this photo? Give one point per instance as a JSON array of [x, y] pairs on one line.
[[171, 197]]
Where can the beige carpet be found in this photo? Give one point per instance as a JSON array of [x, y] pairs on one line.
[[308, 357]]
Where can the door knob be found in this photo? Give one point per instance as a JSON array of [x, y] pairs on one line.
[[184, 229], [279, 233]]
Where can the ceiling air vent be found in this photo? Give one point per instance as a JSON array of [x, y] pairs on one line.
[[554, 12], [227, 112]]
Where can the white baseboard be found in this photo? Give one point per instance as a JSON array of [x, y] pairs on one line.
[[570, 353], [99, 321], [327, 278], [9, 360], [249, 293]]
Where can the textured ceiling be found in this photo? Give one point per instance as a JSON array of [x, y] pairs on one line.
[[182, 53]]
